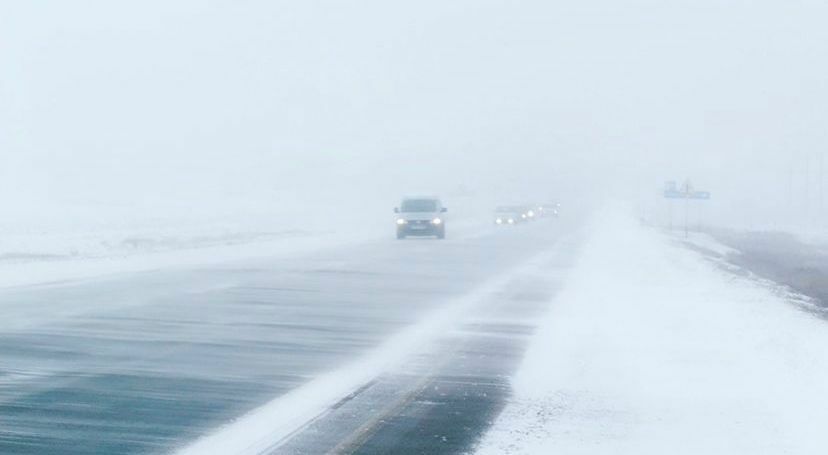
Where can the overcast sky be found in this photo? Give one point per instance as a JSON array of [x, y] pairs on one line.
[[237, 97]]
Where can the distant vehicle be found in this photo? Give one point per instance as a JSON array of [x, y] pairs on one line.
[[531, 213], [421, 216], [510, 215], [549, 210]]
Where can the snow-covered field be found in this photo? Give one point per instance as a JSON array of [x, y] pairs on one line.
[[50, 241], [75, 244], [651, 349]]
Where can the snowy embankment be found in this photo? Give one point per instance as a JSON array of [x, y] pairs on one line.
[[705, 242], [650, 349], [60, 252], [48, 243]]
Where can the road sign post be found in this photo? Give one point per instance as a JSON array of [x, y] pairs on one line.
[[672, 192]]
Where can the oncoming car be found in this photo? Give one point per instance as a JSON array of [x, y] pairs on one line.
[[421, 216], [549, 210], [509, 215]]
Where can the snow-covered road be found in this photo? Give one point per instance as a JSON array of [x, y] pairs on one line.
[[149, 362], [651, 349], [641, 346]]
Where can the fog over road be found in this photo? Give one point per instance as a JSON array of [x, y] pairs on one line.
[[151, 362]]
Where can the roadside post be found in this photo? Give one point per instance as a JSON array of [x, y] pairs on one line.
[[687, 193], [670, 187]]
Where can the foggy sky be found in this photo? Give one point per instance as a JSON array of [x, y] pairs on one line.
[[140, 100]]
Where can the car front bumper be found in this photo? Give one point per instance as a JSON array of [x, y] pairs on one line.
[[420, 228]]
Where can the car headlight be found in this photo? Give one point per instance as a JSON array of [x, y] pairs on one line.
[[511, 221], [436, 221], [531, 214], [401, 221], [523, 216], [499, 221]]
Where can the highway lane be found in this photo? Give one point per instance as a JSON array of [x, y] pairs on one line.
[[147, 362], [443, 397]]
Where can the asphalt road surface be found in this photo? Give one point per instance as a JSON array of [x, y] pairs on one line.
[[150, 362]]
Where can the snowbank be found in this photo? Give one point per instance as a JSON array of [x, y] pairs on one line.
[[706, 243], [86, 249], [38, 270], [652, 350], [46, 242], [77, 245]]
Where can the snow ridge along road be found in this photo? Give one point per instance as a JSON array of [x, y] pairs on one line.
[[265, 429], [651, 349]]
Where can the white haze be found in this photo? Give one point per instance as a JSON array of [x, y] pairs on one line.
[[155, 108]]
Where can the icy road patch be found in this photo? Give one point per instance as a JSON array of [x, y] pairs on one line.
[[650, 349], [266, 429]]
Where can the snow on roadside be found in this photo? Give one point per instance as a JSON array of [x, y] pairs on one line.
[[41, 243], [188, 248], [708, 243], [34, 251], [650, 350], [78, 268]]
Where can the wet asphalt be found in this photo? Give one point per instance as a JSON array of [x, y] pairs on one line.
[[148, 362], [448, 395]]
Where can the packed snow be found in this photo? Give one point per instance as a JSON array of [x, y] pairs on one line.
[[651, 349]]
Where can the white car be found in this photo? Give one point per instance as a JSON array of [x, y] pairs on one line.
[[421, 216]]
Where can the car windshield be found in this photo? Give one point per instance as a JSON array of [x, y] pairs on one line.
[[419, 205]]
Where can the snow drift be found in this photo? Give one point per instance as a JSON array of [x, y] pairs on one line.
[[651, 349]]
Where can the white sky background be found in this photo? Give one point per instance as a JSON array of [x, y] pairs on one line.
[[180, 102]]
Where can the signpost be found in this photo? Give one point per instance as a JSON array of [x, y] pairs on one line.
[[687, 193]]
